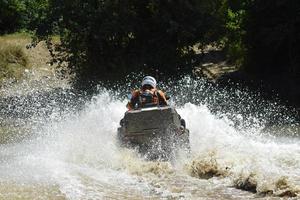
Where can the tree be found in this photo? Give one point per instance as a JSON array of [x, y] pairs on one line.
[[10, 15], [107, 39], [273, 37], [16, 15]]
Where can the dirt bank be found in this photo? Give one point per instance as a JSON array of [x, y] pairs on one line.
[[283, 88], [35, 73]]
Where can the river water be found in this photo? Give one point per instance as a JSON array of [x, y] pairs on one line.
[[75, 156]]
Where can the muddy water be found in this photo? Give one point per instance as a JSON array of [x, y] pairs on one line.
[[77, 157]]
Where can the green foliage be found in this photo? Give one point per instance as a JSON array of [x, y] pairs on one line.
[[109, 39], [35, 13], [235, 17], [10, 15], [16, 15], [264, 38], [273, 37]]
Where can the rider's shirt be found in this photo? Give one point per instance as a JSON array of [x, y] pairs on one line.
[[146, 98]]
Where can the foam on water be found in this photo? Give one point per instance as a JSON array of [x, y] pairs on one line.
[[269, 161], [78, 155]]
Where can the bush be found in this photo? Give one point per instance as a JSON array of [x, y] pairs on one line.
[[272, 39], [10, 16], [106, 40], [16, 15], [12, 60]]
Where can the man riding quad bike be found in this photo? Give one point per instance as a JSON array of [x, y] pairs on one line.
[[151, 125]]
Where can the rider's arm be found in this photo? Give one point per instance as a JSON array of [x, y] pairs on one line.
[[129, 106], [133, 100], [163, 99]]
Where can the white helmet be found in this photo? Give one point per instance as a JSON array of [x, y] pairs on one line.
[[149, 80]]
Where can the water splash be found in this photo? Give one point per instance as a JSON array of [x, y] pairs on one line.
[[252, 160], [74, 154]]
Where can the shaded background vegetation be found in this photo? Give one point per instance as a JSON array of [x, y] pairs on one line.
[[107, 40], [104, 40], [16, 15]]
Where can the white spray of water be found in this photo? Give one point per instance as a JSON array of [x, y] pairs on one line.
[[80, 155], [243, 154]]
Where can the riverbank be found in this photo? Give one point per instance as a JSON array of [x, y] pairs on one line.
[[282, 88], [25, 69], [36, 73]]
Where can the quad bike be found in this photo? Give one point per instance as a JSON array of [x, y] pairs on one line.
[[157, 132]]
